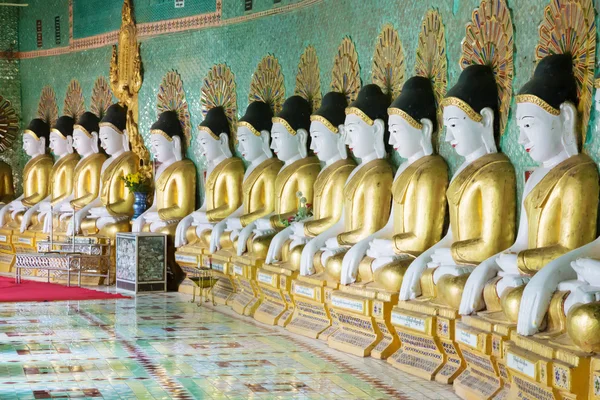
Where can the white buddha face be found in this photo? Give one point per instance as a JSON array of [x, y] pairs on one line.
[[360, 136], [111, 140], [31, 146], [404, 138], [249, 145], [284, 144], [82, 143], [540, 132], [463, 134], [210, 148], [324, 143], [162, 148], [58, 144]]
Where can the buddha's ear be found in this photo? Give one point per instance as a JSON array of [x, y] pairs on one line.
[[69, 139], [341, 142], [487, 121], [224, 141], [126, 140], [568, 117], [95, 146], [302, 137], [265, 137], [42, 145], [426, 133], [379, 133], [177, 148]]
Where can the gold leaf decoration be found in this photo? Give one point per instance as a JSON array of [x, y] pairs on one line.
[[218, 90], [47, 107], [489, 41], [308, 80], [431, 61], [569, 27], [388, 68], [74, 105], [9, 124], [171, 97], [102, 97], [267, 83], [345, 76]]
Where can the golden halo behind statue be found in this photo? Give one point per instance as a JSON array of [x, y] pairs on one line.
[[308, 79], [171, 97], [218, 90], [102, 97], [489, 41], [267, 83], [74, 104], [9, 124], [569, 27], [388, 68], [47, 108], [431, 61], [345, 76]]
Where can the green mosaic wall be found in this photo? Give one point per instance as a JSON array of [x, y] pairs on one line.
[[324, 24], [10, 81], [46, 11]]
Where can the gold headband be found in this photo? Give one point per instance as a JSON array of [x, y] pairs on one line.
[[32, 133], [404, 115], [284, 123], [161, 133], [208, 130], [455, 101], [82, 129], [530, 98], [325, 122], [54, 130], [250, 127], [110, 125], [359, 113]]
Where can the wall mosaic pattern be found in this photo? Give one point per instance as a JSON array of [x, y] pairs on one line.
[[242, 39]]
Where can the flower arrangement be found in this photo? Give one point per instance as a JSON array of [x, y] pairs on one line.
[[137, 183], [304, 211]]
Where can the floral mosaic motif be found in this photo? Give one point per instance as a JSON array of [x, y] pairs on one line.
[[596, 385], [126, 253], [345, 76], [102, 97], [151, 253], [74, 105], [267, 83], [308, 79], [47, 108], [560, 377], [388, 67], [171, 97], [9, 124], [218, 90]]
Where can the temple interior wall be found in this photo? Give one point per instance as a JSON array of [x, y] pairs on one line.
[[241, 39]]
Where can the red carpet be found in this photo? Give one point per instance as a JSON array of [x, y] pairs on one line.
[[42, 291]]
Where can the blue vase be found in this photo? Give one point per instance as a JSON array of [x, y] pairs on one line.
[[139, 205]]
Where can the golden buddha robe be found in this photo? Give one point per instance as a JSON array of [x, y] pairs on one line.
[[258, 196], [419, 199], [87, 180], [482, 207], [7, 190], [297, 177], [223, 195], [115, 197], [175, 195], [367, 203], [36, 179], [328, 195], [561, 216]]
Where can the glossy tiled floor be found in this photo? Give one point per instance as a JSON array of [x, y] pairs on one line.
[[160, 346]]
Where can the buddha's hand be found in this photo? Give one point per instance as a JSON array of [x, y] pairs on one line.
[[508, 263], [298, 229], [332, 243], [264, 224], [157, 225], [276, 245], [199, 217], [472, 297], [381, 248], [588, 270], [48, 223], [180, 232], [306, 259], [234, 224], [16, 205], [65, 207], [26, 219], [442, 256], [45, 207], [99, 212], [138, 224], [74, 225], [215, 236], [151, 216]]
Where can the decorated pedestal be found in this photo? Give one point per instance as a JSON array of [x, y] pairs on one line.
[[222, 269], [142, 262], [274, 285], [247, 297], [368, 329], [189, 259]]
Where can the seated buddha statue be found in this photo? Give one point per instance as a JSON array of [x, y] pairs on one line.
[[253, 136], [36, 175], [328, 144], [558, 212], [86, 176], [419, 195], [223, 185], [175, 180], [61, 175], [110, 212], [289, 136], [367, 191]]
